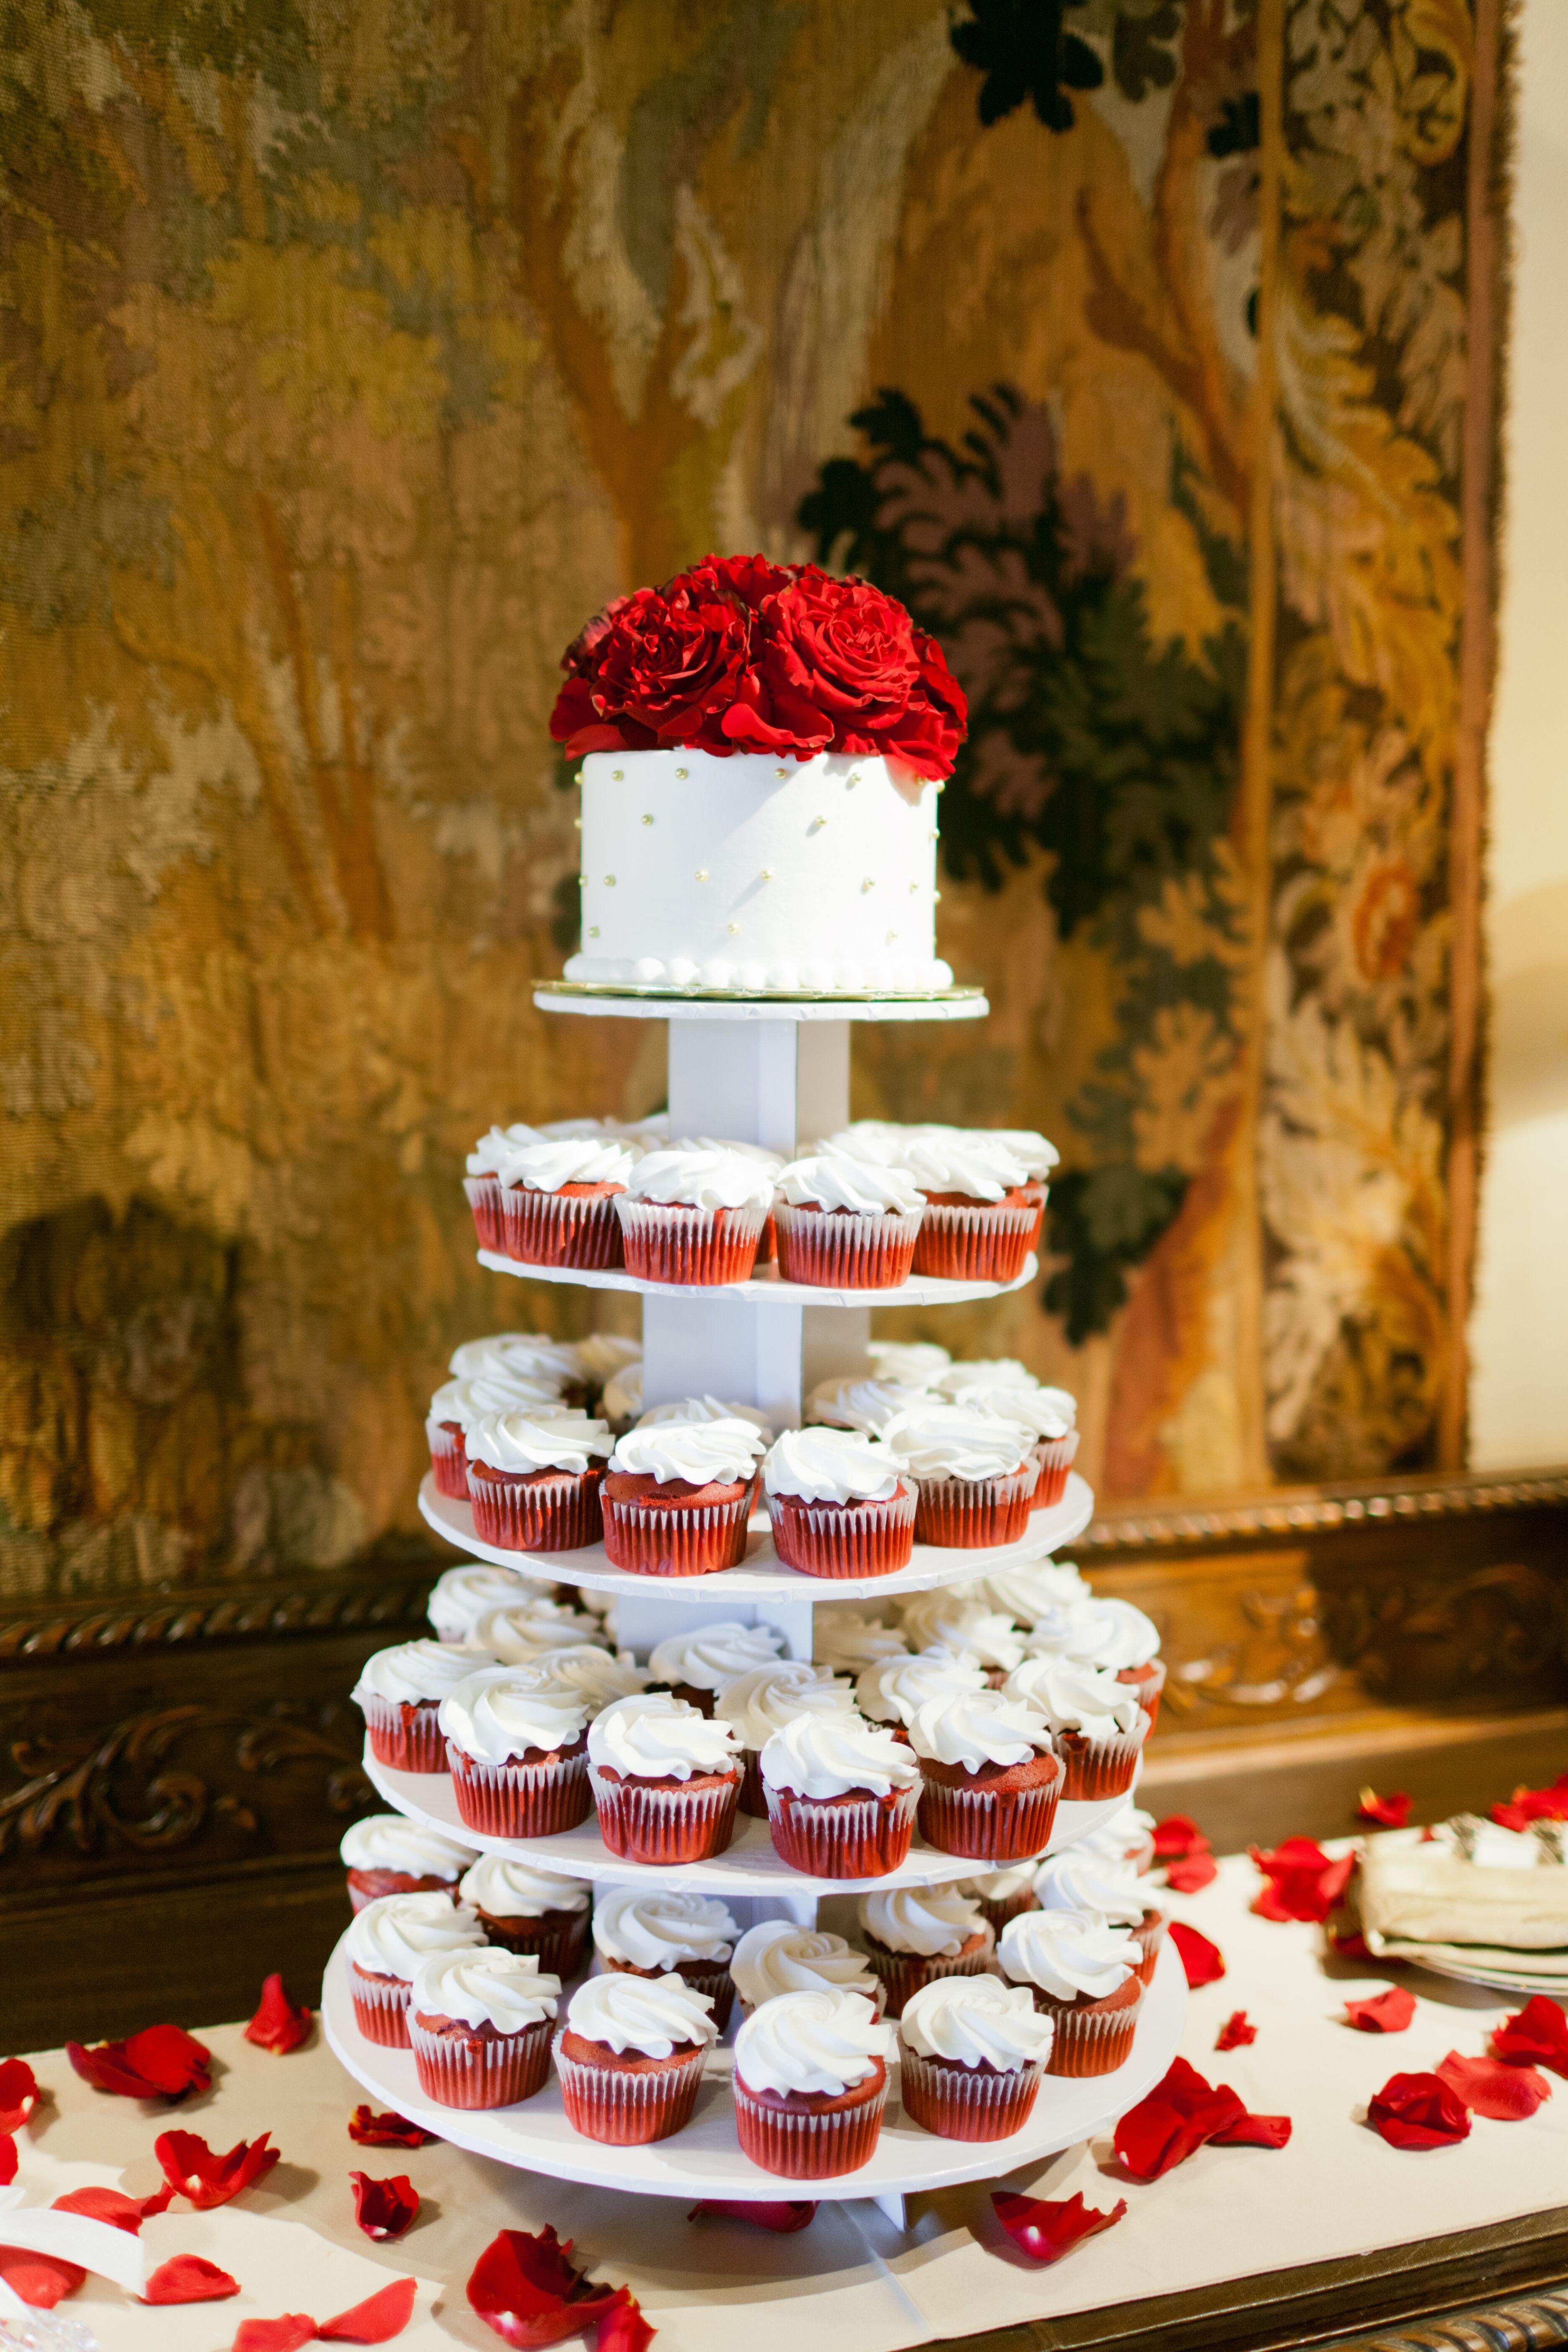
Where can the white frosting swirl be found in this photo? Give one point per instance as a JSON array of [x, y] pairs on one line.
[[506, 1889], [1075, 1880], [939, 1621], [719, 1452], [974, 1729], [652, 2015], [493, 1149], [868, 1405], [466, 1402], [570, 1159], [1102, 1631], [387, 1842], [1074, 1697], [831, 1465], [657, 1736], [775, 1956], [935, 1921], [950, 1441], [1034, 1410], [1030, 1590], [999, 1886], [463, 1595], [970, 1160], [515, 1355], [703, 1176], [522, 1442], [756, 1704], [1027, 1144], [849, 1641], [656, 1929], [832, 1180], [604, 1354], [711, 1657], [506, 1989], [708, 1408], [531, 1628], [586, 1669], [892, 1689], [828, 1755], [623, 1394], [811, 2042], [977, 2021], [500, 1713], [984, 1373], [1127, 1836], [1066, 1953], [912, 1364], [412, 1672], [391, 1936]]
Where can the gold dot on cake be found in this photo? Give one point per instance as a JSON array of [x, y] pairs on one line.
[[767, 873], [617, 775], [868, 883], [851, 781], [732, 928], [701, 874], [935, 894], [593, 930], [577, 824], [578, 777], [609, 881], [818, 820], [891, 936], [681, 775], [648, 820], [781, 773], [914, 888]]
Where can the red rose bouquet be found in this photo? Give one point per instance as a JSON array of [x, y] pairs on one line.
[[740, 655]]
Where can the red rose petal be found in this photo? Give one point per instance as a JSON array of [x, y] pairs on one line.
[[384, 2209], [1255, 2131], [1392, 1812], [1177, 2118], [1204, 1961], [1177, 1835], [1418, 2111], [19, 2093], [763, 2214], [285, 2335], [1303, 1883], [1192, 1873], [623, 2328], [278, 2025], [1504, 2094], [525, 2287], [1047, 2227], [41, 2280], [387, 2130], [8, 2161], [376, 2320], [1536, 2035], [1534, 1805], [160, 2062], [193, 2170], [1383, 2012], [189, 2278], [114, 2206], [1236, 2031]]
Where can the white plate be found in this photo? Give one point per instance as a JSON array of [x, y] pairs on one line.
[[749, 1864], [920, 1290], [762, 1577], [672, 1004], [705, 2159], [1492, 1979]]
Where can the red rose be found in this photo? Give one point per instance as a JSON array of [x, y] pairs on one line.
[[836, 658], [662, 669]]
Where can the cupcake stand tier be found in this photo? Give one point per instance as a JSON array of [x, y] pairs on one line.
[[766, 1072]]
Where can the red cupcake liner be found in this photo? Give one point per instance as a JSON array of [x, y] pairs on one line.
[[800, 2144], [380, 2007], [641, 1823], [902, 1974], [370, 1885], [405, 1734], [986, 1240], [521, 1801], [558, 1949], [476, 2071], [1088, 2040], [1149, 1935], [623, 2108], [853, 1539], [668, 1539], [1054, 1457], [561, 1512], [825, 1838], [994, 1826], [837, 1248], [448, 1462], [1094, 1769], [678, 1244], [971, 2102], [1148, 1681], [574, 1229], [972, 1513], [485, 1197]]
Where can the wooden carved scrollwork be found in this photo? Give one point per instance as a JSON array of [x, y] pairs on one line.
[[1531, 2325]]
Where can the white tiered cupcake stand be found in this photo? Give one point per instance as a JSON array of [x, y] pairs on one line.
[[757, 1071]]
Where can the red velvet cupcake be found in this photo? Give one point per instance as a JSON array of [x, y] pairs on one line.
[[385, 1855], [696, 1666], [983, 1209], [845, 1224], [976, 1474], [534, 1913], [971, 2054], [694, 1213], [839, 1504], [518, 1752], [810, 2083], [665, 1779], [632, 2056], [480, 2025], [1097, 1724], [991, 1775], [1078, 1879], [399, 1692], [558, 1201], [1083, 1974], [678, 1495], [643, 1933], [913, 1935], [484, 1185], [761, 1702], [534, 1483], [841, 1795], [385, 1944]]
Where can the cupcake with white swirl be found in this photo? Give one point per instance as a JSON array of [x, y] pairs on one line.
[[461, 1596], [913, 1934], [595, 1673], [1051, 1417], [976, 1474], [917, 1364], [631, 2058], [776, 1957], [1031, 1589], [678, 1495], [648, 1934], [892, 1690], [1083, 1973], [518, 1754], [529, 1626], [603, 1357], [385, 1944], [534, 1480], [665, 1779], [457, 1405], [847, 1641], [1002, 1895], [399, 1692], [864, 1401], [712, 1408], [521, 1355], [385, 1854], [1074, 1880], [1098, 1724], [810, 2083], [959, 1627], [694, 1212], [697, 1666], [1104, 1632], [558, 1200], [481, 1179], [841, 1794], [839, 1504], [972, 2051], [480, 2025], [990, 1772], [535, 1912], [845, 1224], [757, 1703], [984, 1208]]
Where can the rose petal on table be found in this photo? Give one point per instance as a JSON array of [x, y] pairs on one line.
[[1505, 2094], [9, 2160], [387, 2130], [162, 2062], [19, 2093], [1253, 2131], [1191, 1874], [1047, 2227], [624, 2328], [1177, 1835], [1390, 1812], [376, 2320], [41, 2280], [189, 2278], [765, 2213], [285, 2335], [278, 2025], [1304, 1883], [114, 2206], [1536, 2035], [1383, 2012], [1418, 2111], [524, 2287], [1180, 2115], [384, 2209], [1203, 1960], [193, 2169], [1236, 2031], [1529, 1805]]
